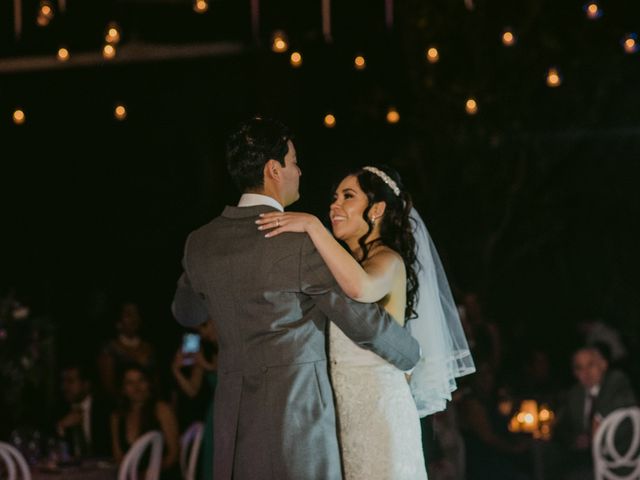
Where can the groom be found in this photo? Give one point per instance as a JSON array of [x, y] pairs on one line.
[[270, 301]]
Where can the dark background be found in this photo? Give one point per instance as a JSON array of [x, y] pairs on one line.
[[533, 202]]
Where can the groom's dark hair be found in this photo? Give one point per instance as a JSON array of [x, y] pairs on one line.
[[251, 146]]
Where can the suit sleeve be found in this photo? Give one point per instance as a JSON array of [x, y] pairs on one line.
[[367, 324], [189, 307]]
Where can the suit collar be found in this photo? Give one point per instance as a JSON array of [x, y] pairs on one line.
[[246, 212]]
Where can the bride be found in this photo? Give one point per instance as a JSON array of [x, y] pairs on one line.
[[392, 261]]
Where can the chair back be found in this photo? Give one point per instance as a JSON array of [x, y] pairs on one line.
[[190, 450], [17, 467], [15, 462], [608, 462], [128, 469]]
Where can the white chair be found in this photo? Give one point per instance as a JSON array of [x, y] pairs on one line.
[[190, 450], [606, 457], [128, 469], [17, 467]]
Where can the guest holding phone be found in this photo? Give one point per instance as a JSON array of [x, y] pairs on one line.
[[203, 364]]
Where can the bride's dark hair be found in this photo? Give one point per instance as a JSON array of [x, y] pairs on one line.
[[396, 229]]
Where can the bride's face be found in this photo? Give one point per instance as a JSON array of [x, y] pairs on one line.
[[349, 203]]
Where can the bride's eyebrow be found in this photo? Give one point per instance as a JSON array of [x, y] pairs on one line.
[[348, 190]]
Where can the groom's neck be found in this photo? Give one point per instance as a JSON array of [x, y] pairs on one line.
[[269, 192]]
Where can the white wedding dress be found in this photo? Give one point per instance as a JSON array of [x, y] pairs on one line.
[[378, 422]]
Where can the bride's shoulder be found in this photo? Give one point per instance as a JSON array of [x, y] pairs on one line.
[[383, 255]]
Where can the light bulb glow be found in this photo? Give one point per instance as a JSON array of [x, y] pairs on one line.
[[630, 43], [553, 78], [112, 36], [63, 54], [45, 13], [433, 55], [359, 63], [296, 59], [393, 116], [279, 43], [200, 6], [19, 117], [471, 106], [329, 120], [120, 112], [109, 52], [593, 10], [508, 38]]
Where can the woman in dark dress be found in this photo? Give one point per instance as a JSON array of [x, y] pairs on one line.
[[139, 413]]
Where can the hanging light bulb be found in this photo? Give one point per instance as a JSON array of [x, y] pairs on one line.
[[296, 60], [359, 63], [593, 10], [63, 54], [471, 106], [45, 13], [630, 43], [18, 116], [108, 52], [508, 37], [200, 6], [120, 112], [392, 115], [112, 35], [329, 120], [553, 78], [279, 42], [433, 56]]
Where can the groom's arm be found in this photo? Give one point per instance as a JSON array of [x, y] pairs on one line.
[[188, 307], [367, 324]]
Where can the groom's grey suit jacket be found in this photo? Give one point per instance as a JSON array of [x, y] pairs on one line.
[[270, 299]]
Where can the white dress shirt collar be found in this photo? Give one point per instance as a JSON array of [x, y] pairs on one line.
[[254, 199]]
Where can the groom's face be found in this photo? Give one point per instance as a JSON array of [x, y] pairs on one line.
[[291, 176]]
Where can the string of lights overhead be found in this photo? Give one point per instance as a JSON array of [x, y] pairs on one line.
[[280, 44]]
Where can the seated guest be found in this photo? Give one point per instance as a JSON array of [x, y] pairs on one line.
[[128, 347], [84, 424], [140, 412], [492, 452], [599, 391]]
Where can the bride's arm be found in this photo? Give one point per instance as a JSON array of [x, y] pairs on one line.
[[366, 285]]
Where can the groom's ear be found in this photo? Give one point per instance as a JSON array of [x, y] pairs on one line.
[[272, 170]]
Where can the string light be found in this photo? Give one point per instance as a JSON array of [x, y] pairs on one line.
[[329, 120], [508, 37], [471, 106], [18, 117], [296, 60], [359, 63], [433, 56], [120, 112], [63, 54], [593, 10], [112, 36], [630, 43], [45, 13], [553, 78], [393, 116], [279, 43], [200, 6], [108, 52]]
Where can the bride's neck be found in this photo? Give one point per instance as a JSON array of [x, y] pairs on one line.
[[356, 249]]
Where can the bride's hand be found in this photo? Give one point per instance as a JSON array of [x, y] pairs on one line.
[[280, 222]]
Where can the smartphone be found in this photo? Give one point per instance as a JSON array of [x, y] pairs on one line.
[[190, 346]]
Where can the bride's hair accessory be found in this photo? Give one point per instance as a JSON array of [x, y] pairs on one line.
[[385, 178]]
